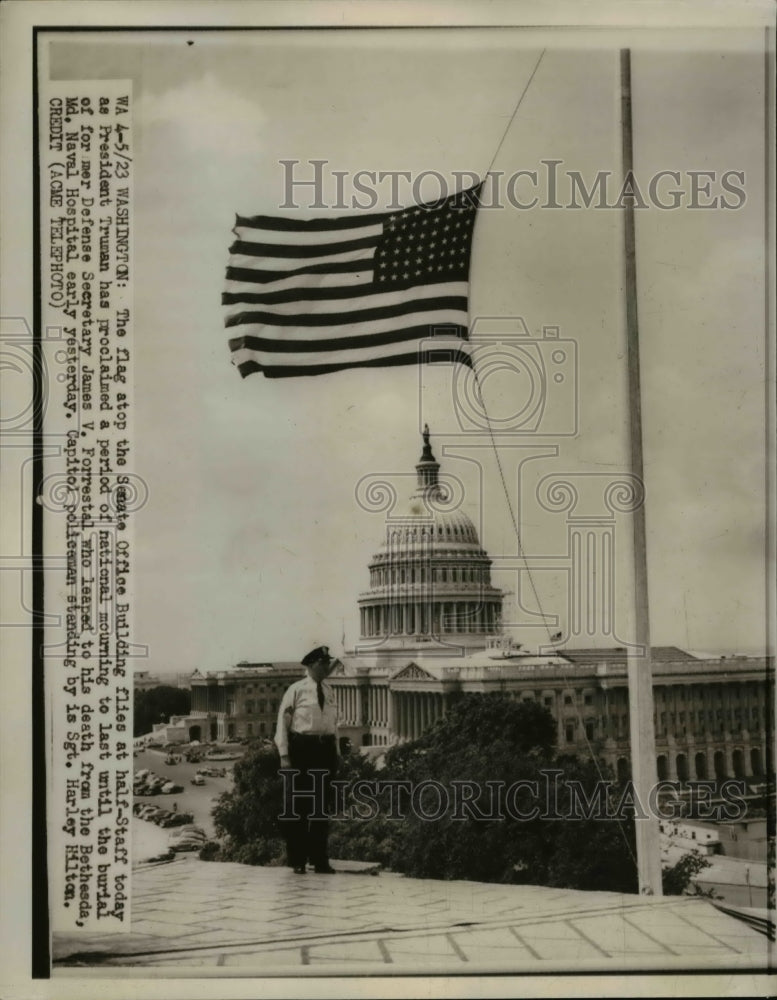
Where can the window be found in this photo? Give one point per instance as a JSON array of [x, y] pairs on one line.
[[249, 708], [569, 733], [589, 699], [589, 730], [567, 699], [547, 701]]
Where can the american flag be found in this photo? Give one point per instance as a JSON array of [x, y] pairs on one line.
[[311, 296]]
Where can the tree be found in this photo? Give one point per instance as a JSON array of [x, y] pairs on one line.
[[554, 827], [677, 880], [559, 827], [247, 814], [157, 704]]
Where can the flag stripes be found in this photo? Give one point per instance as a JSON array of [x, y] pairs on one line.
[[274, 250], [446, 305], [279, 223], [253, 343], [260, 276], [332, 299], [274, 263], [272, 370], [305, 238], [312, 296]]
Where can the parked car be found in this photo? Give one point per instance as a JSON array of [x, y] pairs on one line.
[[144, 810], [175, 819], [187, 838], [198, 780]]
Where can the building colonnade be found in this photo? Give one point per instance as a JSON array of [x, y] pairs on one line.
[[414, 616]]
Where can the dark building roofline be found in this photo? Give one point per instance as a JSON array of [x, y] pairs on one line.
[[618, 654]]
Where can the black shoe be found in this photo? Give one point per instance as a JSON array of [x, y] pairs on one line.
[[324, 870], [299, 870]]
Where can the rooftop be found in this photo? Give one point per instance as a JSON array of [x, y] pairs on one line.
[[233, 918], [659, 654]]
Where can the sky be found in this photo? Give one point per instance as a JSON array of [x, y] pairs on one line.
[[253, 544]]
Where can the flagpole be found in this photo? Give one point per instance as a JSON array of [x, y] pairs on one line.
[[640, 669]]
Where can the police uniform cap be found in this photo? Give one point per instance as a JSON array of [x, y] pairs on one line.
[[319, 653]]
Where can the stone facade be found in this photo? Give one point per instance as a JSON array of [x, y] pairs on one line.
[[713, 716], [240, 703]]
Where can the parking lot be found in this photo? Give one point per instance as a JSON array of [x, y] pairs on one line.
[[148, 839]]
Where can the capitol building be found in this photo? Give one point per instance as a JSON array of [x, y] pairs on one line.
[[430, 582], [431, 630]]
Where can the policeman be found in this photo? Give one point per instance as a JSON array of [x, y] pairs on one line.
[[306, 737]]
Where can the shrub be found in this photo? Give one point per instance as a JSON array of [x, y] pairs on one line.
[[677, 880], [482, 739]]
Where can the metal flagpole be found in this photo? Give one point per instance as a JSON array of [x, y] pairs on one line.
[[640, 669]]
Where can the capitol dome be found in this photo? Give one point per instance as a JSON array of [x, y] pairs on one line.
[[431, 578]]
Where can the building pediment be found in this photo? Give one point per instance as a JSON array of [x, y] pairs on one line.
[[412, 672]]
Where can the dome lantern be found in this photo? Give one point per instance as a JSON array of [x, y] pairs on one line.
[[428, 468]]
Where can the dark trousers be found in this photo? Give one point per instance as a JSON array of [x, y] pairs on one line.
[[307, 794]]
